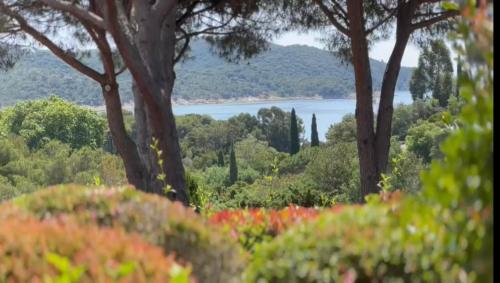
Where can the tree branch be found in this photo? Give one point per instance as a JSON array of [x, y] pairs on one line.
[[163, 7], [56, 50], [383, 21], [117, 22], [431, 21], [184, 48], [332, 18], [76, 11]]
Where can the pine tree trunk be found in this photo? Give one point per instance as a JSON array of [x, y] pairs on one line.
[[364, 100], [386, 108], [149, 55], [134, 168]]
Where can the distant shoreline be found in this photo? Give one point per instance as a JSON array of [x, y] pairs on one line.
[[233, 101], [242, 100]]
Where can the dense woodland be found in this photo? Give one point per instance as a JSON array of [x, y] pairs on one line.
[[48, 142], [397, 193]]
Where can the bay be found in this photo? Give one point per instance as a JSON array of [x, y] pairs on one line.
[[328, 111]]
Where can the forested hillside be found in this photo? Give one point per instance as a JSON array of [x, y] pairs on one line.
[[293, 71]]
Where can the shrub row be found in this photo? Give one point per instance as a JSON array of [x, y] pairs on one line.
[[401, 239]]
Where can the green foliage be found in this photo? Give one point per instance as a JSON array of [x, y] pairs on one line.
[[462, 183], [24, 171], [255, 154], [314, 132], [178, 230], [42, 120], [294, 134], [365, 245], [342, 132], [433, 73], [424, 138], [274, 193], [202, 137], [220, 159], [233, 167], [405, 116], [335, 170], [162, 176], [405, 169], [296, 164], [276, 127]]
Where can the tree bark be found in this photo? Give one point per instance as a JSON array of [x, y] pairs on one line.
[[134, 168], [364, 99], [393, 67], [386, 108], [150, 58]]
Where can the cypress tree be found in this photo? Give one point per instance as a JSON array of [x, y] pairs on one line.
[[314, 132], [294, 134], [233, 168], [220, 159], [459, 74]]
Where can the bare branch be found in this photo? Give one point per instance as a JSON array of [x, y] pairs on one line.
[[121, 70], [187, 40], [431, 21]]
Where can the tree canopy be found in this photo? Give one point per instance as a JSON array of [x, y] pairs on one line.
[[433, 74]]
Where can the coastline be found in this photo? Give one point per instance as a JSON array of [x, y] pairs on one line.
[[248, 100], [232, 101]]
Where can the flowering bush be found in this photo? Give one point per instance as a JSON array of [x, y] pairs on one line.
[[34, 251], [253, 226], [178, 230]]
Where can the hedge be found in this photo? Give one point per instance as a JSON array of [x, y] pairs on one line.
[[35, 251], [178, 230], [378, 242]]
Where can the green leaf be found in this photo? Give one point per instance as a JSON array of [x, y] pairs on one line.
[[179, 274], [450, 6]]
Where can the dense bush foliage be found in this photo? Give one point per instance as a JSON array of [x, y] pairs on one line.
[[23, 170], [39, 121], [423, 139], [370, 244], [213, 256], [33, 251]]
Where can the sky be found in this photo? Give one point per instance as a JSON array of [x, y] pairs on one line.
[[380, 51]]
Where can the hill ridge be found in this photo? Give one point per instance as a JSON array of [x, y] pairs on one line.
[[283, 71]]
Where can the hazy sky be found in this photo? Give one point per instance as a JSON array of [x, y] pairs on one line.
[[381, 51]]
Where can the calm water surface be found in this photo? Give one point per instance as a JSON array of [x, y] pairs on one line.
[[328, 111]]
